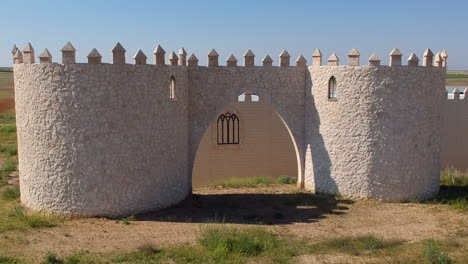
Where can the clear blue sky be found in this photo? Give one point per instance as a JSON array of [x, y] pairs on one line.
[[265, 26]]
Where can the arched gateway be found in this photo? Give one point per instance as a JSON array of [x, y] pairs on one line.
[[112, 139]]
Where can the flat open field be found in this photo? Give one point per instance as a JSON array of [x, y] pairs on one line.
[[457, 78], [6, 80]]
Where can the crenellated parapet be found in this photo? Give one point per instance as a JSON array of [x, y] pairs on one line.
[[118, 57]]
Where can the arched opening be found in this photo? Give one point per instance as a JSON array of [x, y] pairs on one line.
[[259, 143], [172, 88], [332, 88]]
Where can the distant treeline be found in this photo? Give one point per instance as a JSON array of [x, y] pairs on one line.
[[6, 69]]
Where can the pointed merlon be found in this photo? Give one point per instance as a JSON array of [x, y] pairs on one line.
[[159, 50], [192, 60], [395, 57], [18, 57], [413, 57], [444, 54], [353, 57], [374, 57], [118, 48], [13, 51], [213, 58], [231, 61], [413, 60], [18, 54], [140, 55], [333, 60], [182, 51], [317, 53], [29, 54], [94, 54], [267, 58], [354, 52], [173, 56], [456, 94], [68, 47], [396, 52], [374, 60], [249, 53], [28, 48], [301, 61], [231, 58], [267, 61], [333, 57], [140, 58], [284, 54], [213, 53], [438, 60], [249, 59], [317, 58], [45, 54], [428, 53], [173, 59]]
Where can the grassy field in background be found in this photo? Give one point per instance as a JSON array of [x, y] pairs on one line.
[[457, 78], [6, 79]]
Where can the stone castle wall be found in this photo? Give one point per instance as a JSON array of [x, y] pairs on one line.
[[377, 139], [101, 139], [455, 131]]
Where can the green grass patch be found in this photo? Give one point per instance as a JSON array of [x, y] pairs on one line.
[[126, 220], [456, 76], [7, 118], [14, 216], [355, 246], [285, 179], [433, 253], [222, 245], [6, 78], [11, 193], [7, 260], [243, 182], [6, 129], [8, 166], [453, 190], [10, 150]]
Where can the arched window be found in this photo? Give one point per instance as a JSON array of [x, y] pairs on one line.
[[332, 88], [227, 129], [172, 88]]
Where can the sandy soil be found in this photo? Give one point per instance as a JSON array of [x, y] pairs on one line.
[[282, 209]]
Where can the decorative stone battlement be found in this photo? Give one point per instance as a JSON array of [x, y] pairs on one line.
[[349, 124], [118, 54]]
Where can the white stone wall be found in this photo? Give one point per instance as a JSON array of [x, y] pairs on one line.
[[378, 139], [101, 139], [107, 139], [455, 134]]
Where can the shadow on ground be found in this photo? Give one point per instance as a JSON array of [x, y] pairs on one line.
[[269, 209]]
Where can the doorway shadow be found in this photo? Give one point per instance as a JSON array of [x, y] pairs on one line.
[[252, 208]]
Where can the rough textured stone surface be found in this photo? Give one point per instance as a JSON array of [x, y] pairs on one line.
[[378, 138], [102, 139]]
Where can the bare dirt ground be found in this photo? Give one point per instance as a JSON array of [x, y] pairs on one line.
[[280, 208]]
